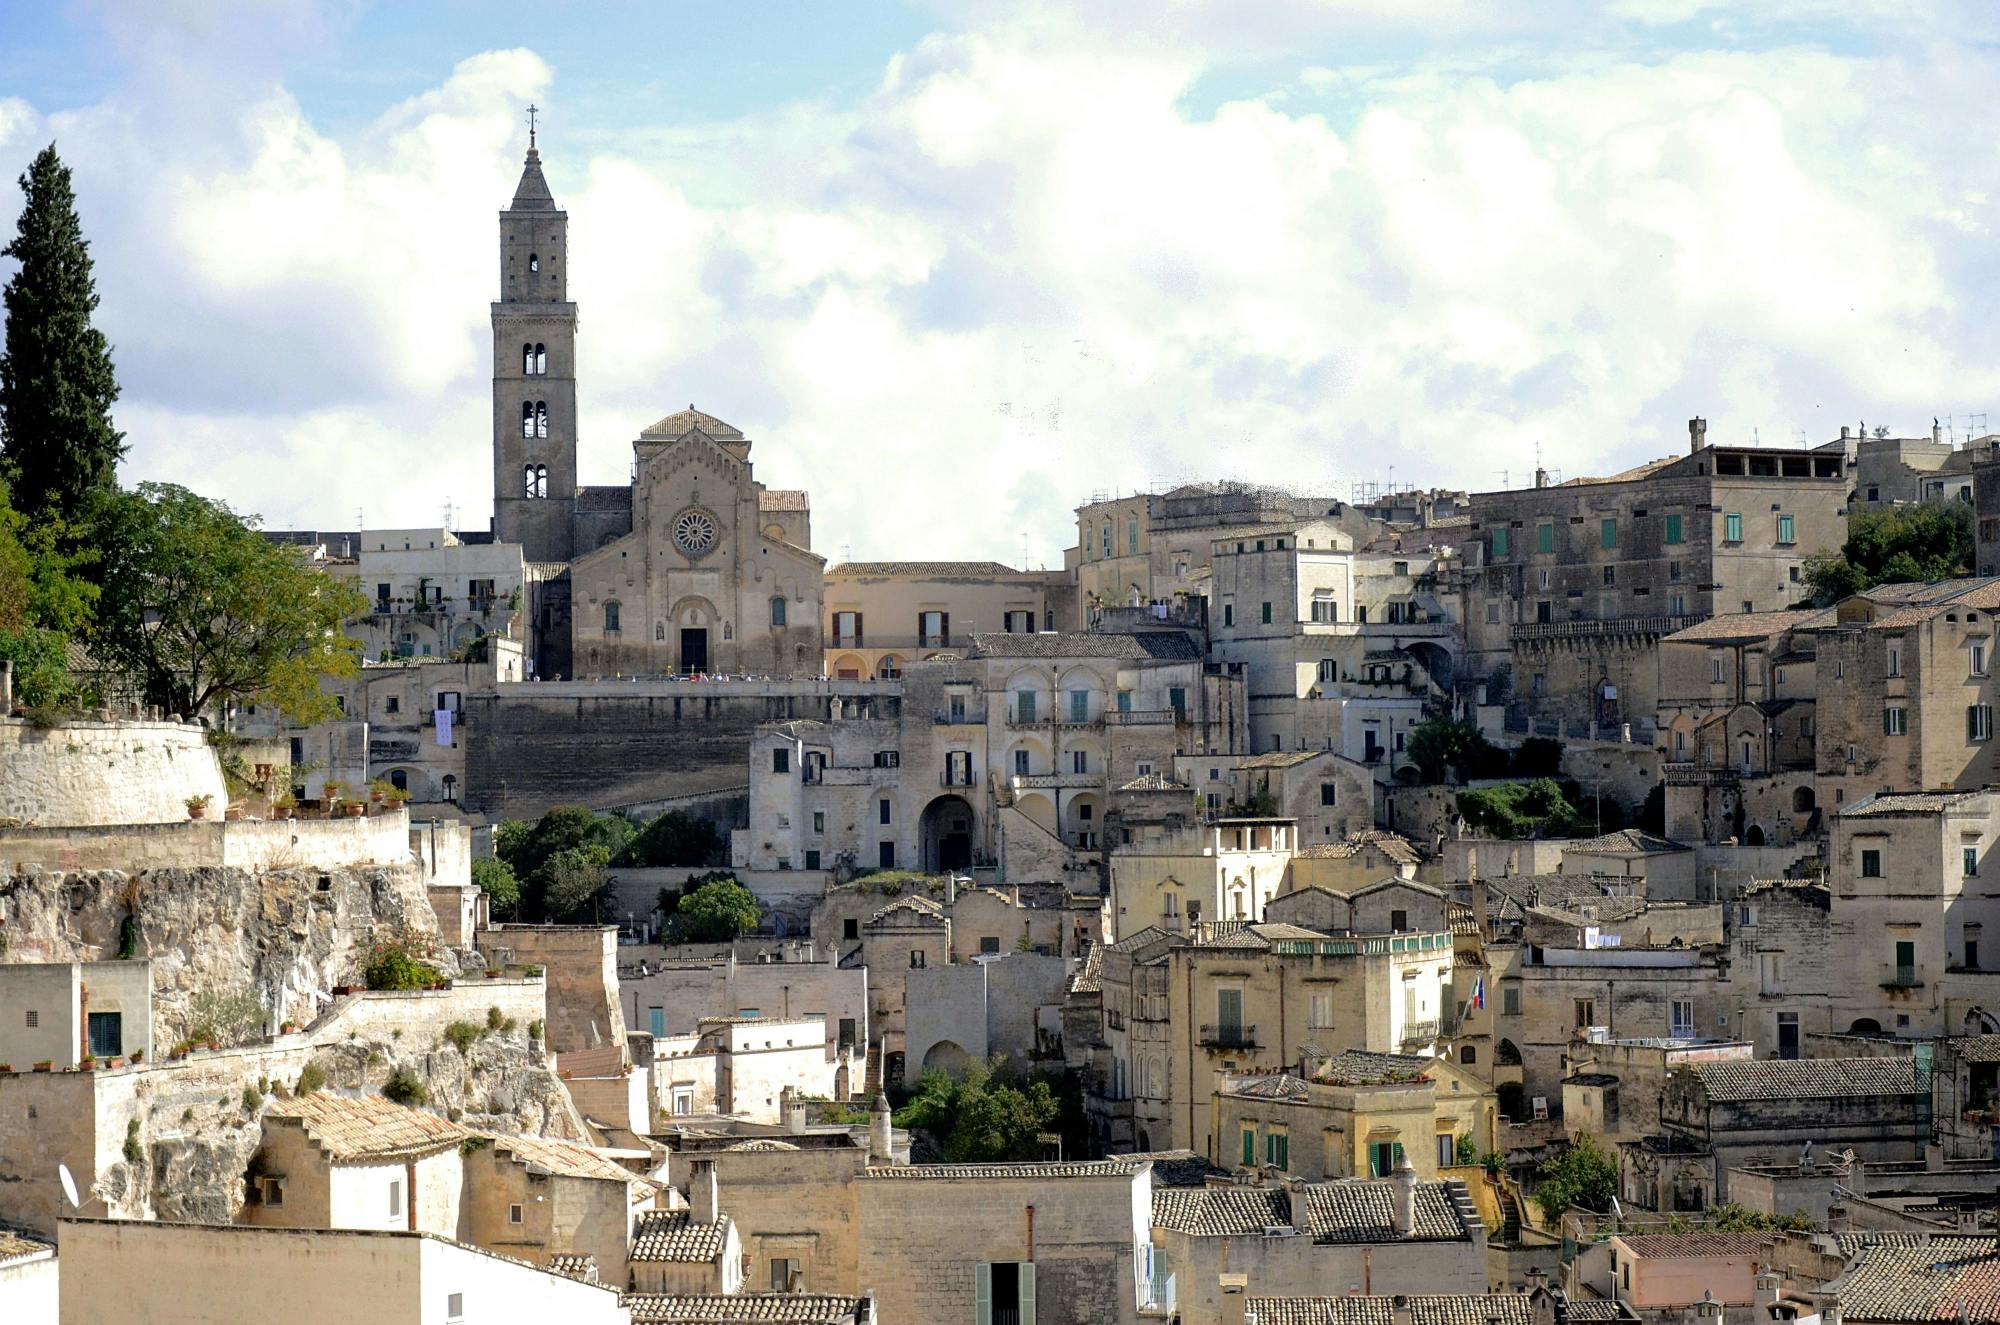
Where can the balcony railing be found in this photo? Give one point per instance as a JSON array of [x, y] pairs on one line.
[[1229, 1037]]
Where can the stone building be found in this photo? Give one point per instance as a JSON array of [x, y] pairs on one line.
[[1906, 678], [1243, 997], [1343, 648], [1569, 587], [1355, 1114], [881, 615], [1396, 1236], [693, 566], [1155, 548]]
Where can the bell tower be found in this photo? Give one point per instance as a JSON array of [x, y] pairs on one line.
[[534, 373]]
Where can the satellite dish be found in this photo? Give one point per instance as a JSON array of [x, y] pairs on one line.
[[68, 1186]]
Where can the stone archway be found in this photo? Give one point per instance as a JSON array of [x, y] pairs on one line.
[[945, 833]]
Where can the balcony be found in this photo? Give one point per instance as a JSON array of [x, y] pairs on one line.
[[1144, 717], [1649, 626], [1228, 1037], [1420, 1032]]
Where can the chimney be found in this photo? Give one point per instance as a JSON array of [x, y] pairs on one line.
[[1403, 1200], [1765, 1296], [1697, 434], [1399, 1310], [701, 1191], [881, 1140], [1235, 1298]]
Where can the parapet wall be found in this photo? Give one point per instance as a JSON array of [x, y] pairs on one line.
[[83, 773], [252, 844]]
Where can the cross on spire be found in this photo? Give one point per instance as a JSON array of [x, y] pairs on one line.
[[532, 108]]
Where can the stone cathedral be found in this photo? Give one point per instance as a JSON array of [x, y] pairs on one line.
[[694, 567]]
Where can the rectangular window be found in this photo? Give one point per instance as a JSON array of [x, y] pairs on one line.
[[1499, 543], [1673, 529], [1785, 530], [781, 761], [1545, 538], [1871, 863], [1895, 721], [1732, 527], [1607, 533], [1979, 722]]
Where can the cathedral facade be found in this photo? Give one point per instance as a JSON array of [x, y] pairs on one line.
[[692, 568]]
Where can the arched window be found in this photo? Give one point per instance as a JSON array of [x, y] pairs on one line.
[[610, 617], [541, 418], [534, 481], [527, 418], [534, 262], [541, 358], [777, 612]]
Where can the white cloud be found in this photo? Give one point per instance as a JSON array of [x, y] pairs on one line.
[[1027, 268]]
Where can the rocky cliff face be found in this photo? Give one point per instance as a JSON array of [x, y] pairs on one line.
[[284, 936]]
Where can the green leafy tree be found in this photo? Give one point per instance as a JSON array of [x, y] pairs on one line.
[[497, 881], [716, 912], [1585, 1174], [675, 839], [203, 609], [571, 885], [1901, 545], [57, 384]]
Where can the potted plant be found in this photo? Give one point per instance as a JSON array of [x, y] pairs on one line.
[[198, 805], [284, 806]]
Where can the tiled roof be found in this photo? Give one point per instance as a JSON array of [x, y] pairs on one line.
[[1935, 1280], [1682, 1246], [1275, 1086], [565, 1159], [718, 1309], [574, 1265], [1216, 1212], [1628, 842], [1425, 1309], [783, 499], [672, 1235], [1733, 626], [367, 1126], [684, 420], [1177, 1168], [1359, 1210], [1123, 1166], [1804, 1078], [1168, 646], [1363, 1067], [14, 1247], [929, 570], [1906, 802]]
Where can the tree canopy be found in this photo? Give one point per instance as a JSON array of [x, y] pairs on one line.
[[1903, 544], [56, 380], [203, 609], [718, 911], [1584, 1174]]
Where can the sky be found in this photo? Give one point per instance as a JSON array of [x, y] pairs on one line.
[[958, 267]]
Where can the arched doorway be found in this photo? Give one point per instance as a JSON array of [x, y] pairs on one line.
[[946, 833]]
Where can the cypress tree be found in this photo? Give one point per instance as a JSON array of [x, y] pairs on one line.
[[56, 379]]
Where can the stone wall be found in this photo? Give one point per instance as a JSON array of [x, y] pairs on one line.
[[105, 772], [582, 966], [610, 743]]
